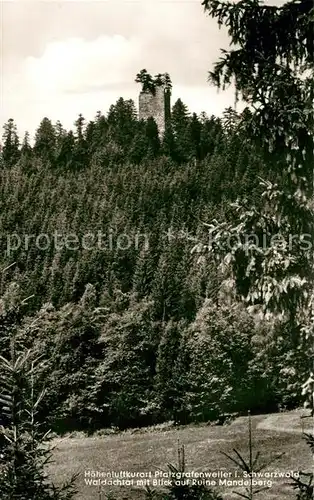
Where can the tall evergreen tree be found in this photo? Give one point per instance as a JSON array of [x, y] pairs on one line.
[[180, 121], [80, 156], [195, 136], [65, 152], [10, 148], [166, 369], [26, 154], [168, 146], [271, 64], [153, 142], [60, 132], [122, 122], [45, 142]]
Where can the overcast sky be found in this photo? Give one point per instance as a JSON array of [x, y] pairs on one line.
[[60, 59]]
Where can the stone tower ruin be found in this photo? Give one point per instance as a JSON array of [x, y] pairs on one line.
[[156, 105]]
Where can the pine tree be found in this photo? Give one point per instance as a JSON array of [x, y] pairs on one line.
[[60, 133], [90, 137], [45, 142], [271, 64], [168, 146], [211, 133], [168, 353], [24, 458], [26, 154], [153, 142], [147, 81], [10, 149], [65, 153], [26, 149], [143, 273], [180, 122], [101, 129], [80, 154], [139, 146], [22, 438], [122, 121], [195, 136]]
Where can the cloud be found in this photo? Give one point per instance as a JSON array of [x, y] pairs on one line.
[[72, 76], [65, 58], [75, 64], [205, 98]]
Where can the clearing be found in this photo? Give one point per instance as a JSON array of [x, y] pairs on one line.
[[149, 450]]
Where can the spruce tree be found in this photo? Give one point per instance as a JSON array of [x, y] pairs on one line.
[[23, 440], [10, 149], [271, 64], [45, 142]]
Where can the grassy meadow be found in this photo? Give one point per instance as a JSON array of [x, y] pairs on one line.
[[152, 449]]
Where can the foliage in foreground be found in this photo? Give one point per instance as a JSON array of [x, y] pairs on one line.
[[24, 447], [179, 489], [305, 483], [272, 66]]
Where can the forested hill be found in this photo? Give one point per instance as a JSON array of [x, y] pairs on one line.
[[152, 275], [100, 229], [115, 177]]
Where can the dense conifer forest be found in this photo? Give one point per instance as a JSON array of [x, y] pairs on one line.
[[137, 326], [167, 278]]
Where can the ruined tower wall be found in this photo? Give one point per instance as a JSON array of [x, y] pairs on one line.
[[155, 106]]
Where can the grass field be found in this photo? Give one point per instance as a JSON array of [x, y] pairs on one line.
[[151, 450]]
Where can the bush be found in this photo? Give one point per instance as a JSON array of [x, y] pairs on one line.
[[25, 452], [220, 347]]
